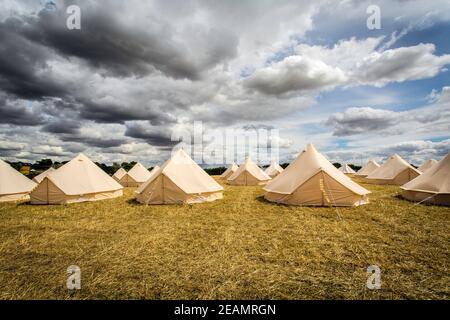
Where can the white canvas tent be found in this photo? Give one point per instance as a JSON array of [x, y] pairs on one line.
[[427, 165], [179, 180], [230, 170], [14, 186], [367, 169], [274, 169], [346, 169], [78, 180], [119, 174], [395, 171], [133, 178], [433, 186], [41, 176], [248, 174], [311, 180]]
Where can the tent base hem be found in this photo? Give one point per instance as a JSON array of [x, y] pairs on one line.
[[442, 199], [279, 198], [190, 199], [15, 197], [68, 199]]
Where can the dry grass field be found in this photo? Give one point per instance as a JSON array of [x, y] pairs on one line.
[[239, 248]]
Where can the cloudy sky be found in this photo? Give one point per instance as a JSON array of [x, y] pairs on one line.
[[117, 88]]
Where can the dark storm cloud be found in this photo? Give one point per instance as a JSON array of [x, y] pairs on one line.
[[62, 126], [150, 134], [362, 120], [93, 141], [49, 153], [23, 68], [125, 50], [10, 147], [19, 113], [116, 113], [7, 153], [257, 127], [438, 149], [66, 107]]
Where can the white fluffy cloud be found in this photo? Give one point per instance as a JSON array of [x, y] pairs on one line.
[[366, 120], [295, 73], [401, 64], [349, 62], [362, 120]]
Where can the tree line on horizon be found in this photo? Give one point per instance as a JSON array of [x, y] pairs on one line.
[[44, 164]]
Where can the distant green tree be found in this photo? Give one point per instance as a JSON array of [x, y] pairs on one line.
[[15, 165], [115, 167], [215, 171], [354, 167], [128, 165], [42, 165], [337, 164]]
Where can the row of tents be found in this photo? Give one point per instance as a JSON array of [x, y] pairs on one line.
[[309, 180], [395, 171]]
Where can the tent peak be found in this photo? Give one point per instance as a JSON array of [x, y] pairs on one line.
[[81, 157], [310, 147]]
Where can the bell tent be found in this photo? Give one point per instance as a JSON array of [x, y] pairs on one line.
[[433, 186], [346, 169], [119, 174], [230, 170], [311, 180], [179, 180], [79, 180], [248, 174], [427, 165], [274, 169], [133, 178], [41, 176], [395, 171], [14, 186], [367, 169]]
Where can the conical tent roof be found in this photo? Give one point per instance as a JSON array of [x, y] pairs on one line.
[[432, 186], [346, 169], [178, 178], [274, 169], [368, 168], [392, 168], [427, 165], [139, 173], [312, 180], [230, 170], [82, 176], [155, 171], [12, 182], [41, 176], [248, 173], [119, 174], [78, 180]]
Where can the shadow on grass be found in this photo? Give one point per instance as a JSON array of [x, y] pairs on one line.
[[29, 204], [417, 203], [273, 204], [134, 203]]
